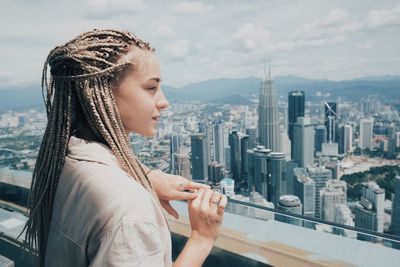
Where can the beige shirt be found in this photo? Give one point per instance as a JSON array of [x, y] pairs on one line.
[[103, 217]]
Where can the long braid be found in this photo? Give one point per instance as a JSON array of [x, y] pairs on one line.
[[81, 74]]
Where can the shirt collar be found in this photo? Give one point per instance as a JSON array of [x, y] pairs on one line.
[[81, 149]]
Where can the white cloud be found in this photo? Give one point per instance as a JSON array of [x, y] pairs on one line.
[[179, 50], [252, 37], [103, 9], [383, 17], [334, 27], [163, 31], [364, 45], [191, 8]]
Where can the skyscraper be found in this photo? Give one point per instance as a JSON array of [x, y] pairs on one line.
[[345, 139], [396, 207], [320, 137], [205, 129], [198, 143], [391, 141], [296, 100], [303, 138], [320, 175], [252, 133], [276, 167], [343, 215], [181, 161], [330, 121], [329, 198], [215, 172], [304, 188], [365, 138], [218, 141], [236, 166], [268, 124], [258, 166], [244, 146], [174, 146], [370, 209]]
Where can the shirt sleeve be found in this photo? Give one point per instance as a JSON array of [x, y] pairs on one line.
[[130, 243]]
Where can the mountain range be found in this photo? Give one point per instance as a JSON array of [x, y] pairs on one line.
[[238, 91]]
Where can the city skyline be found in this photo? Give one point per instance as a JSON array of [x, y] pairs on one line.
[[337, 40]]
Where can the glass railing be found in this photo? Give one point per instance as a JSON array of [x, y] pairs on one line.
[[253, 235], [279, 238]]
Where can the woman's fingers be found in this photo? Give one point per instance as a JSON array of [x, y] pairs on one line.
[[222, 205], [193, 185], [197, 201], [185, 195], [205, 202]]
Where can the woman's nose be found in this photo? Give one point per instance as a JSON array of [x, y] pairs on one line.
[[162, 102]]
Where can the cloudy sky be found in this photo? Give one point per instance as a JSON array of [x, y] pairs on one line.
[[199, 40]]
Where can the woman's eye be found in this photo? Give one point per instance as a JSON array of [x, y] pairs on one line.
[[152, 88]]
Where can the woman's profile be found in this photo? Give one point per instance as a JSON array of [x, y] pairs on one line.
[[92, 202]]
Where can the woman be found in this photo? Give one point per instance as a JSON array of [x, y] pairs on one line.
[[92, 202]]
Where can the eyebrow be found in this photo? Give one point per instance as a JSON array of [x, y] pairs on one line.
[[155, 79]]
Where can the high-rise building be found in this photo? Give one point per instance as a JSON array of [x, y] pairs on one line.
[[276, 167], [320, 175], [304, 189], [227, 154], [391, 141], [292, 204], [345, 139], [286, 144], [174, 146], [198, 144], [320, 137], [396, 208], [244, 146], [330, 121], [234, 143], [215, 172], [337, 184], [218, 141], [252, 133], [329, 198], [397, 137], [303, 137], [181, 163], [290, 166], [296, 100], [343, 215], [365, 138], [370, 209], [205, 129], [258, 166], [268, 124]]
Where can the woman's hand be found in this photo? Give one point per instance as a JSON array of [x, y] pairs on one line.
[[206, 213], [173, 187]]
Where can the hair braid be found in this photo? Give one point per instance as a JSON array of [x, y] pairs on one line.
[[81, 72]]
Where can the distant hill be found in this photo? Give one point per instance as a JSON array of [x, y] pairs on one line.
[[225, 90]]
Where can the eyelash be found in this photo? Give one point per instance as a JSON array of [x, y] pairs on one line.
[[152, 88]]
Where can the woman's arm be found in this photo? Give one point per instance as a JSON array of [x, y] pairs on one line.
[[205, 214]]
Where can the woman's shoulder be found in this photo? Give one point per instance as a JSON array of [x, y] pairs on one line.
[[109, 181]]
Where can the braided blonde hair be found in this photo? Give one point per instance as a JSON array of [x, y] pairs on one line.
[[81, 76]]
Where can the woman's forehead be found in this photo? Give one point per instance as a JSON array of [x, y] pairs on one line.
[[145, 63]]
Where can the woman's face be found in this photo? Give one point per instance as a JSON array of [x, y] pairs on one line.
[[138, 95]]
